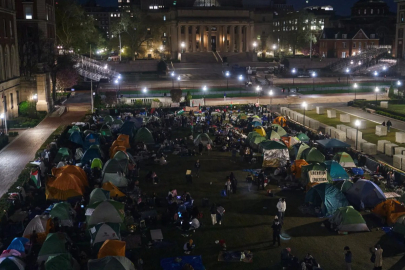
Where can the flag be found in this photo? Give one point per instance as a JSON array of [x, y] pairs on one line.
[[35, 178]]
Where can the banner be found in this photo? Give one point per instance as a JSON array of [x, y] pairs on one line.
[[318, 176]]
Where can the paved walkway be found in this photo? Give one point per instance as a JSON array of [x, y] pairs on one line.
[[22, 150]]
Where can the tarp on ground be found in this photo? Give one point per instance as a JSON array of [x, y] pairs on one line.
[[313, 155], [11, 263], [335, 171], [279, 129], [90, 154], [290, 141], [18, 244], [332, 143], [71, 169], [106, 211], [280, 121], [112, 248], [76, 137], [99, 195], [275, 158], [365, 194], [111, 262], [204, 138], [260, 130], [114, 191], [62, 154], [97, 163], [347, 219], [91, 139], [104, 231], [390, 210], [344, 159], [54, 244], [144, 135], [327, 197], [297, 166], [64, 212], [64, 187], [176, 264], [40, 224]]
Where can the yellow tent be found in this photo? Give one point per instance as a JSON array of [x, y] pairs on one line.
[[114, 191], [63, 187], [260, 130], [71, 169], [112, 248], [296, 167], [125, 138], [391, 210], [280, 121], [116, 149], [117, 143]]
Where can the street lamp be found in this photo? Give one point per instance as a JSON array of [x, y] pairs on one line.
[[178, 79], [399, 83], [271, 97], [117, 81], [357, 125], [375, 75], [355, 90], [376, 92], [313, 80], [172, 75], [227, 78], [347, 72], [274, 50], [304, 105], [183, 45], [293, 71], [145, 90], [254, 45], [384, 68], [240, 78]]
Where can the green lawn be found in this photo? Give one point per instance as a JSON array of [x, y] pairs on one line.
[[400, 108], [342, 91], [342, 83], [247, 221], [368, 133]]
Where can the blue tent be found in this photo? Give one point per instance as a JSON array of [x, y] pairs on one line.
[[365, 194], [332, 143], [76, 137], [336, 171], [91, 154], [18, 244], [91, 139], [176, 264], [127, 128], [327, 197], [256, 124]]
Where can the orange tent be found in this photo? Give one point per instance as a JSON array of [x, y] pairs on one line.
[[296, 167], [117, 143], [114, 191], [125, 138], [116, 149], [280, 121], [391, 210], [63, 187], [71, 169], [112, 248]]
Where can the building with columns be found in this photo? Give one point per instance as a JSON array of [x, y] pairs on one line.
[[400, 29]]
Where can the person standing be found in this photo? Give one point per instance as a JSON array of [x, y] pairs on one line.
[[389, 124], [228, 186], [213, 212], [281, 207], [260, 179], [378, 258], [348, 258], [276, 231], [197, 167]]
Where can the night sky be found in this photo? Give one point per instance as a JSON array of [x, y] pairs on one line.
[[341, 7]]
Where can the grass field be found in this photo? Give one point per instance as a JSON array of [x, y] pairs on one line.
[[247, 221], [400, 108], [342, 91]]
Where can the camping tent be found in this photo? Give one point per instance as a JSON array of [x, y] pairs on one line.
[[114, 191], [290, 141], [96, 163], [103, 232], [90, 154], [390, 210], [76, 137], [280, 121], [344, 186], [273, 135], [144, 135], [71, 169], [106, 211], [54, 244], [255, 141], [63, 261], [365, 194], [73, 129], [279, 129], [63, 211], [344, 159], [18, 244], [256, 124], [111, 262], [99, 195], [312, 174], [399, 226], [117, 123], [336, 171], [40, 224], [63, 154], [114, 172], [303, 137], [91, 139], [64, 187], [260, 130], [11, 263], [127, 128], [112, 248], [301, 147], [252, 134], [265, 145], [105, 131], [347, 219], [203, 138], [108, 119], [297, 166], [116, 149], [242, 116], [276, 156], [313, 155], [332, 143], [125, 138], [327, 197]]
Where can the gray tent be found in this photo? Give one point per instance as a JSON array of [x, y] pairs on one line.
[[203, 138]]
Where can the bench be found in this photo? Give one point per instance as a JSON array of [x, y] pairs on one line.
[[370, 110]]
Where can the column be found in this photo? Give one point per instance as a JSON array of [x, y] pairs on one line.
[[252, 36], [217, 41], [202, 32], [209, 45], [174, 44], [222, 38], [240, 44], [179, 38], [232, 42], [193, 38], [187, 40]]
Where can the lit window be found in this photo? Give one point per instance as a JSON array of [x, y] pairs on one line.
[[119, 15], [155, 7], [28, 12], [164, 34], [164, 18], [150, 7], [111, 15]]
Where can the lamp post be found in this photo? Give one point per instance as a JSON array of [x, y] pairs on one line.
[[313, 80], [376, 92], [204, 90], [227, 78], [399, 83], [178, 79], [240, 78], [375, 75], [293, 71], [355, 91], [304, 105], [274, 50], [271, 97], [357, 124], [258, 89], [144, 91], [254, 45], [117, 81], [183, 45], [348, 73], [172, 75]]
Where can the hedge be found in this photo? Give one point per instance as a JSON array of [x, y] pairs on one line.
[[401, 118]]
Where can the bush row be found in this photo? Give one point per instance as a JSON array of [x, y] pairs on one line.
[[401, 118]]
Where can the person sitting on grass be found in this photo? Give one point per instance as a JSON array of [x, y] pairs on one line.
[[188, 247]]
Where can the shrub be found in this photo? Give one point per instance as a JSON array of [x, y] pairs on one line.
[[188, 96], [176, 95], [156, 100], [138, 102], [391, 92]]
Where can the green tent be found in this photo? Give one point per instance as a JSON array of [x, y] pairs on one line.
[[73, 129], [313, 155], [347, 219], [61, 261], [108, 119], [273, 135], [99, 195], [301, 149], [97, 163], [304, 179], [335, 171], [54, 244], [344, 159], [107, 211], [105, 131], [115, 171], [104, 231], [113, 166], [252, 134], [264, 145], [120, 155], [256, 140], [111, 262], [303, 137], [204, 138], [63, 154], [327, 197], [11, 263], [144, 135], [399, 226], [62, 211], [343, 185], [281, 131]]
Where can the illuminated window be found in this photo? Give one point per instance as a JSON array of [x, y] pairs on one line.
[[28, 12], [164, 18]]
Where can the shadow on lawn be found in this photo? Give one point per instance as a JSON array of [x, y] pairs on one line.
[[308, 230], [219, 228], [399, 265]]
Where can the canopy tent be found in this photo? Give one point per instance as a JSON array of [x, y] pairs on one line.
[[290, 141], [276, 156], [63, 261], [204, 138], [91, 139], [18, 244], [144, 135], [111, 262], [99, 195], [327, 197], [344, 186], [336, 171], [301, 148], [297, 166], [260, 130], [279, 129], [273, 135], [54, 244], [39, 224], [97, 163], [112, 248], [63, 211], [390, 210], [62, 154], [347, 219], [76, 137], [71, 169], [64, 187], [11, 263], [303, 137], [280, 121], [116, 149], [106, 131], [103, 232], [332, 143], [91, 154], [344, 159], [114, 191], [125, 138], [73, 129], [313, 155], [128, 128], [106, 211], [365, 194], [313, 173]]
